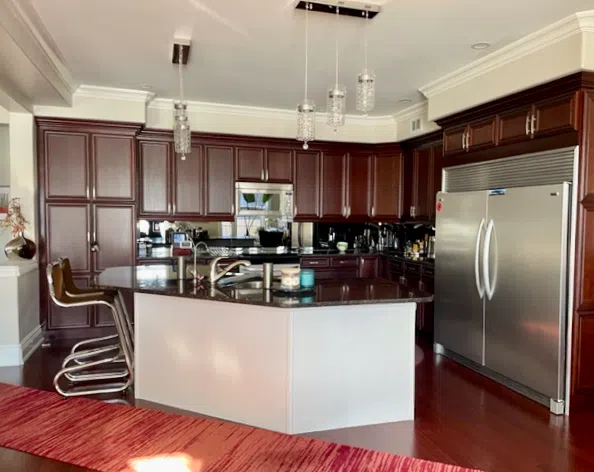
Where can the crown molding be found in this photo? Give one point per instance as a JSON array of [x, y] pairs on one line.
[[22, 23], [413, 111], [111, 93], [262, 112], [567, 27]]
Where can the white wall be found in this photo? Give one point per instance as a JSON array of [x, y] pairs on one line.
[[28, 300], [4, 155]]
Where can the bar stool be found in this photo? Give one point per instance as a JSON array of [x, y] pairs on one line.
[[57, 289], [76, 292]]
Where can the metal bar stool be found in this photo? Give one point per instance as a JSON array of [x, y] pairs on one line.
[[79, 372], [76, 292]]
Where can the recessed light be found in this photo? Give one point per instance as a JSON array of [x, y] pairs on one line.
[[404, 100], [481, 45], [146, 87]]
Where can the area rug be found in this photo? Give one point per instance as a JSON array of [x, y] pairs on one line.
[[110, 437]]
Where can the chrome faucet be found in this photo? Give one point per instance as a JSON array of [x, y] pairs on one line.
[[215, 274], [201, 243]]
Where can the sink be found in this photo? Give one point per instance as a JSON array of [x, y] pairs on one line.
[[253, 284]]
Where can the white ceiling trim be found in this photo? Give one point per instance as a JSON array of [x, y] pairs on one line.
[[111, 93], [554, 33], [20, 20], [264, 113], [414, 111]]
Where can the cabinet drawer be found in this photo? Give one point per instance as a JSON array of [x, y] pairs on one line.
[[413, 270], [344, 261], [428, 271], [315, 262], [396, 267]]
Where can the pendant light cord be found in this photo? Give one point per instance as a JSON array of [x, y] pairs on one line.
[[181, 75], [366, 35], [336, 32], [306, 44]]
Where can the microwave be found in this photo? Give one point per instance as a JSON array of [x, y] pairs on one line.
[[262, 199]]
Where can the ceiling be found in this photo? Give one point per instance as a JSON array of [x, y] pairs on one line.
[[252, 52]]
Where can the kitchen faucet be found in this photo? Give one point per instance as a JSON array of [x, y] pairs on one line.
[[215, 274]]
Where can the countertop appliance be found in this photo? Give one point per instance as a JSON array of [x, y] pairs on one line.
[[501, 276], [264, 199]]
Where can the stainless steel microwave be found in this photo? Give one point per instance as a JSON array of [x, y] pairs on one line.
[[263, 199]]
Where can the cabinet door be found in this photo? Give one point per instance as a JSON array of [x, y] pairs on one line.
[[453, 140], [333, 188], [68, 234], [104, 316], [279, 166], [250, 164], [63, 318], [155, 174], [368, 267], [113, 168], [386, 187], [220, 182], [422, 181], [188, 184], [114, 236], [482, 134], [66, 165], [359, 185], [307, 185], [514, 126], [555, 116]]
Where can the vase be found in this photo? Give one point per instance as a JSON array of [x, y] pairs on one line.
[[20, 248]]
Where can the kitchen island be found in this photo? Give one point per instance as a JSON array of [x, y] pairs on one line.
[[342, 356]]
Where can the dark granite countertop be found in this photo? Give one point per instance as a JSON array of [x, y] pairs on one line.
[[161, 280]]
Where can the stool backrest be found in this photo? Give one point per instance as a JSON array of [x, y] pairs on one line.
[[55, 280], [67, 274]]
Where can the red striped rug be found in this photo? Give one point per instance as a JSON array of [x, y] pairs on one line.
[[108, 437]]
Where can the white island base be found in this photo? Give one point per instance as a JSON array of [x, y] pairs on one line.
[[292, 370]]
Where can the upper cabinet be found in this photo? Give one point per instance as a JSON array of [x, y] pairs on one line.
[[188, 185], [307, 186], [333, 186], [155, 173], [220, 182], [264, 165], [539, 119], [387, 188], [359, 186], [66, 165], [114, 168]]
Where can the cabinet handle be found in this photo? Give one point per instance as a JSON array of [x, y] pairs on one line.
[[94, 192], [89, 237], [528, 124], [233, 208], [266, 175], [349, 214], [169, 208], [313, 262], [373, 210], [262, 175], [88, 194], [295, 210], [174, 208], [94, 247], [533, 124]]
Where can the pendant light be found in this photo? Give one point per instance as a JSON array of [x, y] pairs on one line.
[[336, 104], [306, 110], [182, 134], [366, 81]]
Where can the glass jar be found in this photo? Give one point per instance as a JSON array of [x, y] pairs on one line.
[[290, 278]]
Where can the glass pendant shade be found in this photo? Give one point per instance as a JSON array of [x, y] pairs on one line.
[[366, 91], [306, 122], [336, 106], [182, 135]]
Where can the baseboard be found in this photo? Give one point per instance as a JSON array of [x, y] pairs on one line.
[[12, 355], [31, 343]]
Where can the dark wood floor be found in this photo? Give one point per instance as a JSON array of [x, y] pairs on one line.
[[461, 418]]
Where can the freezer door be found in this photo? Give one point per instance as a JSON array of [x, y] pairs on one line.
[[526, 307], [460, 223]]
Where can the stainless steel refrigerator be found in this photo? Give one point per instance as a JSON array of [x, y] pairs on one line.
[[501, 285]]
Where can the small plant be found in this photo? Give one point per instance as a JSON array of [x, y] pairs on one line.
[[14, 219], [3, 203]]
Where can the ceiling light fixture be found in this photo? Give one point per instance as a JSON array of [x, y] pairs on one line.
[[182, 134], [366, 80], [336, 100], [481, 45], [306, 110]]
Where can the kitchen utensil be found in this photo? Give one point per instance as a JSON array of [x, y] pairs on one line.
[[307, 278], [342, 246], [268, 271]]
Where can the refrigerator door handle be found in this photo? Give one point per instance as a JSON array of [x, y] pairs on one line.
[[489, 288], [477, 276]]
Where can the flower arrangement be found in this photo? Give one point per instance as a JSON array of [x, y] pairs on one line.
[[14, 219]]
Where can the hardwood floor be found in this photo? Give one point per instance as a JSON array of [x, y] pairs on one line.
[[461, 418]]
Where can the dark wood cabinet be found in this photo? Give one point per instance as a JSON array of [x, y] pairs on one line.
[[333, 186], [307, 186], [481, 134], [155, 171], [555, 115], [68, 234], [114, 168], [250, 165], [422, 180], [66, 165], [220, 178], [514, 126], [386, 199], [279, 166], [369, 267], [60, 318], [359, 186], [114, 236], [454, 140], [188, 185]]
